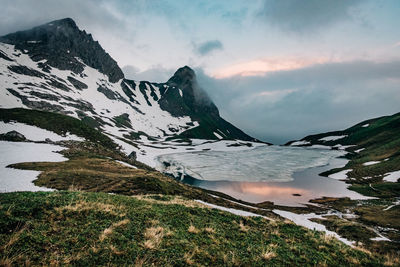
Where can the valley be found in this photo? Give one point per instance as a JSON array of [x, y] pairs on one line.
[[141, 170]]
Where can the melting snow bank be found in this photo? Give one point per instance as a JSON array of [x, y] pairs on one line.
[[233, 211], [342, 175], [370, 163], [332, 138], [304, 220], [15, 152], [392, 176], [126, 164], [300, 143], [34, 133]]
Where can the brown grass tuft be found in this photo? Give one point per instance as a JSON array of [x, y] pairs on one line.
[[268, 255], [83, 205], [209, 230], [243, 227], [192, 229], [154, 237], [392, 260], [108, 231]]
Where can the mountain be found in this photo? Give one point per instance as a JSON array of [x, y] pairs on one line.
[[373, 148], [59, 68]]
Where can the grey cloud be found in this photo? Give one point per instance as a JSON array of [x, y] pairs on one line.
[[316, 99], [153, 74], [306, 16], [20, 14], [208, 46]]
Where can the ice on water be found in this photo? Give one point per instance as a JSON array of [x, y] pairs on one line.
[[267, 163]]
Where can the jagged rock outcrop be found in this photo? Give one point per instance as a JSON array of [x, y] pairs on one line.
[[13, 136], [64, 47], [47, 68]]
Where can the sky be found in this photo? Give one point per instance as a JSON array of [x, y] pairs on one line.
[[279, 70]]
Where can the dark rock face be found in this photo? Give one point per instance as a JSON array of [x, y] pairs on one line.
[[77, 84], [26, 71], [60, 42], [194, 100], [13, 136], [132, 155]]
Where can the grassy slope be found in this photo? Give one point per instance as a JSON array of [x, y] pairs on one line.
[[90, 168], [58, 123], [381, 141], [100, 229]]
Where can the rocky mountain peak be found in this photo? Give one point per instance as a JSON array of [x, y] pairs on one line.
[[62, 44], [183, 76], [194, 100]]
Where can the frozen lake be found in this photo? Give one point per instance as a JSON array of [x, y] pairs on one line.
[[284, 175]]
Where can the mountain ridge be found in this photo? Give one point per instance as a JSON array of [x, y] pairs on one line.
[[58, 67]]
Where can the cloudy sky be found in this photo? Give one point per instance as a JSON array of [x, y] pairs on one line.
[[277, 69]]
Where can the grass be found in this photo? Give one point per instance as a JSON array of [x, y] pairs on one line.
[[78, 228], [58, 123], [104, 175], [380, 141]]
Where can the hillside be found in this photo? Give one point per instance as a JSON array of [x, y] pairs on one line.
[[72, 122], [59, 68], [374, 154], [101, 229]]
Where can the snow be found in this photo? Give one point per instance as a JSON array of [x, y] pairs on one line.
[[230, 210], [391, 206], [180, 92], [300, 143], [380, 238], [341, 147], [359, 150], [365, 125], [392, 176], [217, 135], [332, 138], [14, 152], [370, 163], [340, 175], [155, 121], [126, 164], [34, 133], [304, 220]]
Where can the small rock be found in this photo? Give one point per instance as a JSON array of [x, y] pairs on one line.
[[132, 155], [13, 136]]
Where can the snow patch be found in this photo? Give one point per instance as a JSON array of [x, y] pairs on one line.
[[12, 180], [332, 138], [359, 150], [34, 133], [126, 164], [233, 211], [370, 163], [217, 135], [300, 143], [392, 176], [340, 175], [304, 220], [365, 125]]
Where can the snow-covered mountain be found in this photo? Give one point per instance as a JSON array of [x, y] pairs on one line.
[[59, 68]]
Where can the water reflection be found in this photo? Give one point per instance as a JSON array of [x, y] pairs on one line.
[[306, 185]]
